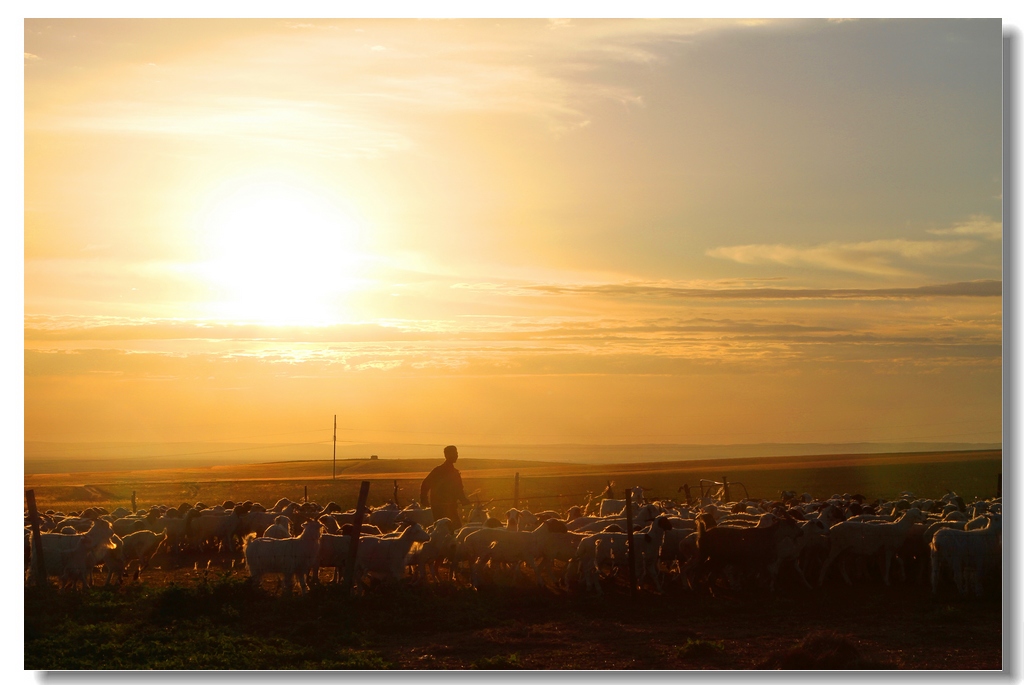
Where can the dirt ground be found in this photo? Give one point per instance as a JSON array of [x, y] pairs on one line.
[[865, 626]]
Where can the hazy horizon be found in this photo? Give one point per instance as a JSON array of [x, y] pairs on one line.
[[77, 457], [513, 232]]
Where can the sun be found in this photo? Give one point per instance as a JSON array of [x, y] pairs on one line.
[[279, 252]]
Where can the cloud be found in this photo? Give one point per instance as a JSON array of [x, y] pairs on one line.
[[29, 57], [981, 225], [874, 257], [983, 288], [321, 128], [433, 65]]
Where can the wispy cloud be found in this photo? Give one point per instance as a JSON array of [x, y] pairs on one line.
[[874, 257], [365, 86], [29, 57], [980, 225], [318, 127], [981, 288]]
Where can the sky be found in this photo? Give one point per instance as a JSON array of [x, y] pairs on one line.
[[513, 231]]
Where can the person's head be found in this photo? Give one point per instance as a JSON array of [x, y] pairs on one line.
[[451, 453]]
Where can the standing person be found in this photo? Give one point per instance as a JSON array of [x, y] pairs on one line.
[[442, 489]]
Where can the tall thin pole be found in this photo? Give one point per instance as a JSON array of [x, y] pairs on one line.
[[334, 461]]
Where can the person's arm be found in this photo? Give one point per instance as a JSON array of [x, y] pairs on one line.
[[462, 493]]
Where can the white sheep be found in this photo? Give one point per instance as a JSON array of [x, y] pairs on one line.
[[610, 507], [410, 514], [859, 537], [279, 530], [386, 557], [294, 557], [516, 548], [72, 557], [966, 553], [130, 524], [335, 551], [202, 529], [439, 547], [140, 546]]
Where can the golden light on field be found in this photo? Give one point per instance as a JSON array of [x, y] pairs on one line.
[[278, 252]]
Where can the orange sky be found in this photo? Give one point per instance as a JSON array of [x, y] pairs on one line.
[[513, 231]]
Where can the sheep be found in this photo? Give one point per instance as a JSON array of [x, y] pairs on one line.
[[594, 550], [860, 537], [433, 551], [256, 521], [280, 530], [80, 524], [202, 529], [335, 551], [644, 515], [176, 529], [330, 525], [111, 559], [141, 546], [966, 553], [385, 517], [753, 549], [611, 507], [547, 542], [124, 526], [293, 557], [646, 547], [387, 557], [73, 556], [411, 514], [791, 550]]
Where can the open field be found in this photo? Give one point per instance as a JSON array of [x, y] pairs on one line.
[[542, 484], [184, 616]]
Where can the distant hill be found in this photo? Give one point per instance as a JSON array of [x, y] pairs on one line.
[[52, 457]]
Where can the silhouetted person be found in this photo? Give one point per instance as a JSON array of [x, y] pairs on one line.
[[442, 489]]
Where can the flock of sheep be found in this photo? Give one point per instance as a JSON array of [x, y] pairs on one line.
[[714, 546]]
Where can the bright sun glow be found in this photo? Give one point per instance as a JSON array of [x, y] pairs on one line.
[[279, 253]]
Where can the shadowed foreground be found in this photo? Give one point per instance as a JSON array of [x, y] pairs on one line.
[[226, 624]]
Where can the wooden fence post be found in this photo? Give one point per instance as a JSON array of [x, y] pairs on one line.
[[999, 485], [305, 494], [37, 541], [515, 495], [395, 497], [631, 552], [725, 489], [135, 509], [350, 567]]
